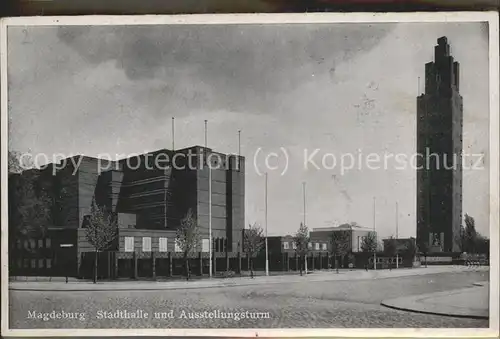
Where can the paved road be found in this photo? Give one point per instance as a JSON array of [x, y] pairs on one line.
[[326, 304]]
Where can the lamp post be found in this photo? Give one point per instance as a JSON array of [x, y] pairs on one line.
[[209, 202], [304, 221], [173, 133], [265, 219], [375, 234], [397, 221]]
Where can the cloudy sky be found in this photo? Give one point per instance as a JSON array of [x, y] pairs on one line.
[[339, 88]]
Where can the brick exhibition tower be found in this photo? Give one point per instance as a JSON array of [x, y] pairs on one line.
[[439, 134]]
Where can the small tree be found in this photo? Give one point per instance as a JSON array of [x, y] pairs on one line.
[[17, 163], [253, 240], [188, 238], [301, 240], [482, 245], [340, 246], [34, 201], [29, 207], [101, 231], [470, 234], [369, 243]]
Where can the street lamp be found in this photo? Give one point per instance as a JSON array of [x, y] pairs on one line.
[[210, 239], [375, 234], [397, 235], [265, 218], [304, 220]]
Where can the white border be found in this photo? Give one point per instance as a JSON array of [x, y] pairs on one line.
[[490, 17]]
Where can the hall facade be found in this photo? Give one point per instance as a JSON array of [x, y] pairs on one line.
[[149, 198]]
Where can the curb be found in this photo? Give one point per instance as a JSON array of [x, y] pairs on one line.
[[153, 288], [165, 287], [406, 303], [471, 316]]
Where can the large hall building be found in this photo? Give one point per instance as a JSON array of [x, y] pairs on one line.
[[148, 198]]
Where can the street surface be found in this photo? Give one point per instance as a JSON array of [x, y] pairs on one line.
[[320, 304]]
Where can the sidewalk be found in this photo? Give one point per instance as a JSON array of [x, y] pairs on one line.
[[316, 276], [471, 302]]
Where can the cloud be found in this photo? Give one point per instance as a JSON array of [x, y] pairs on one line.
[[236, 68]]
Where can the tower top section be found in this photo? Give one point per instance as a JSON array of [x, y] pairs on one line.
[[442, 49], [443, 40], [443, 74]]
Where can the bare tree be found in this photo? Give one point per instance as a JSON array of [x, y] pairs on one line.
[[34, 199], [470, 234], [340, 246], [369, 243], [253, 240], [301, 240], [482, 244], [188, 238], [17, 163], [101, 230]]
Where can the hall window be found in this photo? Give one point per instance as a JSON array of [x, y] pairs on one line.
[[129, 244], [162, 244], [146, 244]]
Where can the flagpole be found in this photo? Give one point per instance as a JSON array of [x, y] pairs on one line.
[[166, 181], [173, 133], [239, 151], [375, 234], [397, 226], [265, 218], [304, 201], [304, 221], [239, 142], [165, 198], [209, 202]]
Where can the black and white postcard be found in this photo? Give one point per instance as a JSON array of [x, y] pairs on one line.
[[250, 175]]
